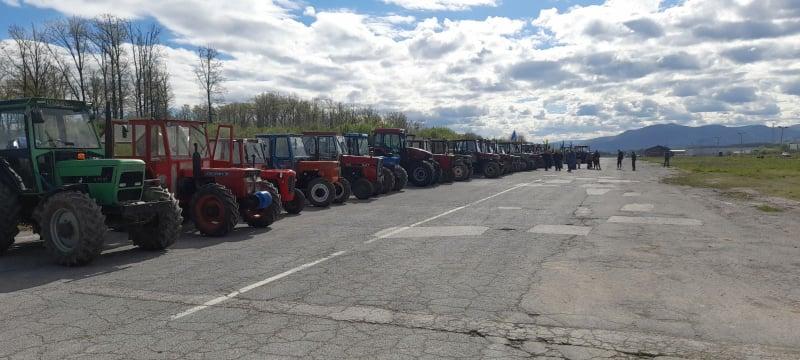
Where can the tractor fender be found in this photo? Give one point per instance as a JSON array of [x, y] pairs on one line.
[[9, 177]]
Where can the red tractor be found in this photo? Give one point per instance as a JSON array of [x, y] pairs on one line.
[[422, 169], [463, 169], [243, 153], [453, 167], [366, 174], [215, 198], [486, 163], [317, 179], [506, 160]]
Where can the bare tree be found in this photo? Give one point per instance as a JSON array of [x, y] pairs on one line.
[[209, 75], [31, 67], [108, 35], [72, 35]]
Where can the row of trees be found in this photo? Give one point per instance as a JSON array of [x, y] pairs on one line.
[[105, 60]]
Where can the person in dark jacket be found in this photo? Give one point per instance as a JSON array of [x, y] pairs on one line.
[[558, 157], [596, 159], [572, 160], [633, 160], [667, 155], [547, 157], [620, 156]]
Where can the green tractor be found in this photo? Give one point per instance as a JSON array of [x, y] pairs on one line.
[[56, 177]]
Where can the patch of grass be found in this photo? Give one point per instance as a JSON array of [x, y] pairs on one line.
[[769, 209], [772, 176]]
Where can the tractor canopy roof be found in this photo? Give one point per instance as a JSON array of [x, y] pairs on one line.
[[390, 131], [320, 133], [266, 136], [360, 135], [43, 102]]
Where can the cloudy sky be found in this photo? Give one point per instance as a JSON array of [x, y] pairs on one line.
[[546, 68]]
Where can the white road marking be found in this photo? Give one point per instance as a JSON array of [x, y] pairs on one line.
[[646, 220], [561, 230], [255, 285], [631, 194], [586, 179], [596, 191], [559, 181], [438, 231], [638, 207], [583, 211], [609, 186], [508, 208], [383, 234], [617, 181]]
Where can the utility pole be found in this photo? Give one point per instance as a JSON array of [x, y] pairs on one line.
[[741, 142], [782, 128], [773, 132]]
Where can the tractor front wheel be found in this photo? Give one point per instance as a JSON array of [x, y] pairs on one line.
[[164, 229], [297, 204], [460, 173], [363, 189], [214, 210], [261, 218], [73, 227], [343, 191], [491, 170], [388, 181], [9, 219], [320, 192], [400, 178], [422, 174]]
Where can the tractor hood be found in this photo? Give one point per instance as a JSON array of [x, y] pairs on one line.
[[82, 165], [418, 154]]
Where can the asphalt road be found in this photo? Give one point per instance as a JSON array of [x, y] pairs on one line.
[[582, 265]]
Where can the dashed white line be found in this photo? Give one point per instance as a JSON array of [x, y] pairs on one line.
[[252, 286], [383, 235]]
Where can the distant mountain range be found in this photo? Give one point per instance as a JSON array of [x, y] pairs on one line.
[[679, 136]]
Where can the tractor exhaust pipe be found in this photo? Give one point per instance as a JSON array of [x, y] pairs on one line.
[[109, 133], [197, 163]]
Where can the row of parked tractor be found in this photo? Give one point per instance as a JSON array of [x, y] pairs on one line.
[[153, 175]]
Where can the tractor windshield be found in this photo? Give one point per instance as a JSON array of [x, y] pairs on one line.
[[62, 128], [394, 142], [253, 148], [182, 139], [358, 146], [298, 149]]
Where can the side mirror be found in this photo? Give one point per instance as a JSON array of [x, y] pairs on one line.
[[36, 116]]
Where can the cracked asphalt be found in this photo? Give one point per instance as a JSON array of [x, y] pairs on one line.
[[456, 271]]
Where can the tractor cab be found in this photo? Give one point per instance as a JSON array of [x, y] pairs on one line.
[[215, 192], [363, 174], [248, 153], [56, 176], [317, 178], [483, 161], [394, 176], [423, 170], [453, 167], [522, 162], [442, 147]]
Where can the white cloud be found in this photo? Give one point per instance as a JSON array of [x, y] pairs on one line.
[[441, 4], [310, 11], [582, 72]]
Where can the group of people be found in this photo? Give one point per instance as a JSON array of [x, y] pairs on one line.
[[621, 155], [556, 159]]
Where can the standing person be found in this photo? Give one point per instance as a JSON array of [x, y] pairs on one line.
[[558, 159], [633, 160], [596, 160], [571, 161], [548, 160], [620, 156], [667, 155]]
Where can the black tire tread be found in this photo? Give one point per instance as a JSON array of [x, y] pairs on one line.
[[92, 222], [229, 202], [9, 218], [165, 229]]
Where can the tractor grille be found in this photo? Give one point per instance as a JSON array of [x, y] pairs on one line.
[[129, 195], [292, 181], [131, 179]]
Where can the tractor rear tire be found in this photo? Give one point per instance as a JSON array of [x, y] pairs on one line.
[[437, 173], [320, 192], [400, 178], [422, 174], [460, 172], [363, 189], [343, 191], [164, 229], [297, 204], [388, 181], [73, 227], [214, 210], [9, 218], [491, 170]]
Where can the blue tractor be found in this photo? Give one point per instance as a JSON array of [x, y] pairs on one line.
[[358, 145]]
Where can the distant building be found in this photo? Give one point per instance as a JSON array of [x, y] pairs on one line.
[[656, 151]]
